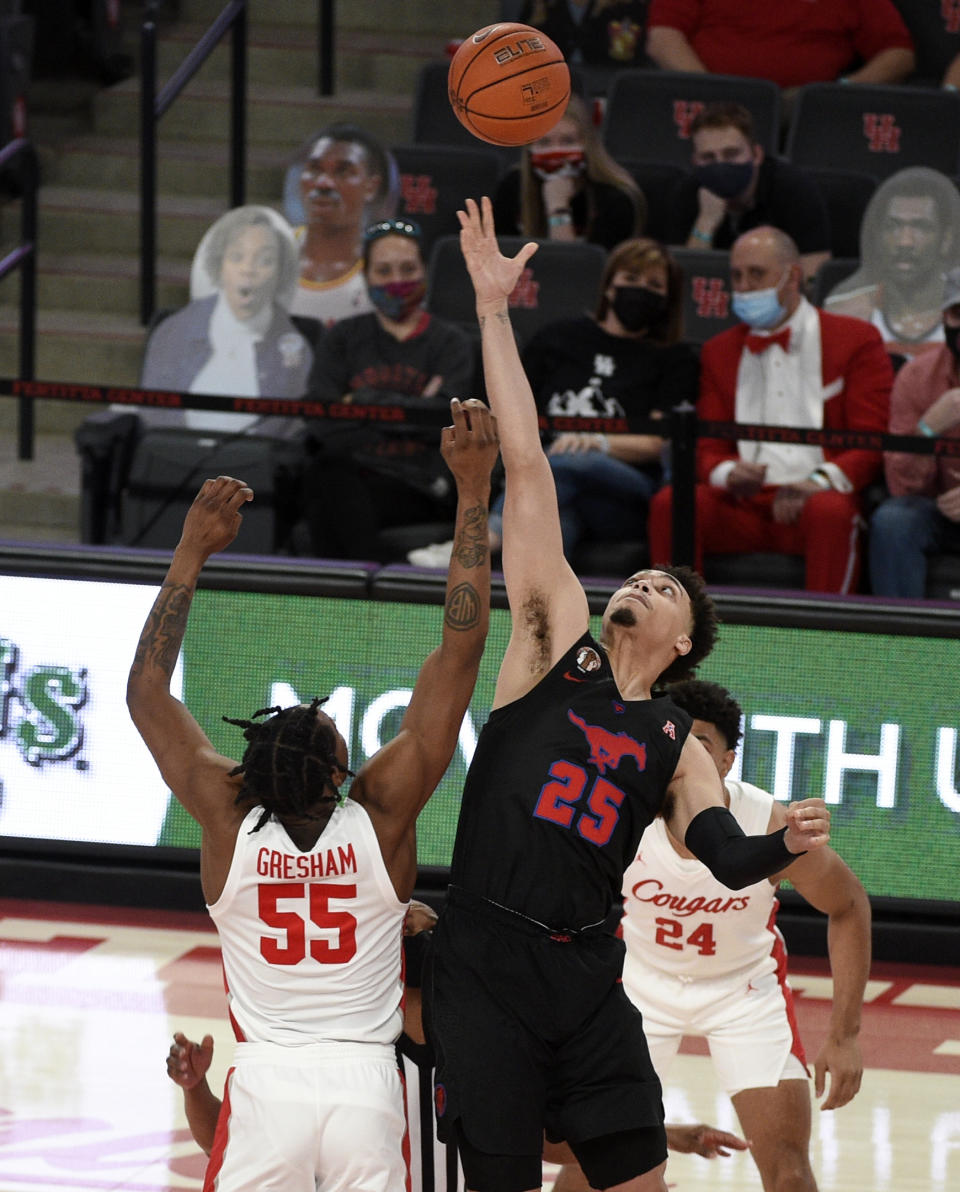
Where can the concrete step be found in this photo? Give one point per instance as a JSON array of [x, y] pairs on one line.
[[365, 58], [58, 108], [184, 167], [109, 284], [40, 498], [275, 115], [82, 346], [76, 220], [406, 16]]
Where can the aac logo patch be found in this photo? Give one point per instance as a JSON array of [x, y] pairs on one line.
[[588, 660]]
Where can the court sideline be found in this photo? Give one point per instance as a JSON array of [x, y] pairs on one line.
[[89, 997]]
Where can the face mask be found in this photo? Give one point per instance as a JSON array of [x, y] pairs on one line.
[[760, 309], [638, 308], [952, 336], [725, 179], [398, 299], [562, 163]]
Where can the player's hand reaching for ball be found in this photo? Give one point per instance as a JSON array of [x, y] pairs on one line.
[[494, 276], [471, 445], [214, 518], [808, 826]]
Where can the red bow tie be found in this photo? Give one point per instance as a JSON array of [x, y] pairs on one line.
[[760, 343]]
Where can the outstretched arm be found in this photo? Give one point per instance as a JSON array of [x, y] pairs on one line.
[[189, 763], [827, 883], [547, 602], [697, 815], [396, 782]]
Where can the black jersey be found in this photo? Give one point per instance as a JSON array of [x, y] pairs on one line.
[[561, 787]]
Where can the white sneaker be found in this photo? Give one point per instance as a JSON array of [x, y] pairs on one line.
[[437, 554]]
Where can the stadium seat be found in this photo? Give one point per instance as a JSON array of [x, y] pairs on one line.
[[649, 112], [435, 180], [657, 180], [137, 482], [846, 194], [831, 273], [561, 281], [706, 292], [875, 130]]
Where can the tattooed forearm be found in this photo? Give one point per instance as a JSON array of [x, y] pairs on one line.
[[462, 611], [471, 547], [162, 635], [502, 316]]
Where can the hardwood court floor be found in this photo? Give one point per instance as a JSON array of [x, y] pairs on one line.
[[89, 998]]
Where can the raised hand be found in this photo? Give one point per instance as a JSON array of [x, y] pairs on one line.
[[471, 445], [213, 520], [494, 276], [187, 1062], [808, 826]]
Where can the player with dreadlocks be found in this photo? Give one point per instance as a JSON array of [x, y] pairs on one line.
[[288, 759], [309, 890]]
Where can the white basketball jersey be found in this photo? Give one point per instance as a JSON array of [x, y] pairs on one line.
[[311, 940], [678, 919]]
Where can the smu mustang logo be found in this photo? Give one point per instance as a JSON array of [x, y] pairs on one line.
[[608, 749]]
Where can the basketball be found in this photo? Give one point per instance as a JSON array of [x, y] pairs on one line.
[[508, 84]]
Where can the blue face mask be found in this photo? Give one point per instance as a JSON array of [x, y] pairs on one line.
[[725, 179], [760, 309]]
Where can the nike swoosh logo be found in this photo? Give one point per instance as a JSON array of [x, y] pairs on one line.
[[573, 678]]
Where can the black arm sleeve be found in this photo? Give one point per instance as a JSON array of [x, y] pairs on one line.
[[716, 839]]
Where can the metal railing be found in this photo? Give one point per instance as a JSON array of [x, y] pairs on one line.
[[326, 30], [153, 107], [24, 258]]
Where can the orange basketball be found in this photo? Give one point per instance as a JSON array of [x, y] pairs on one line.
[[508, 84]]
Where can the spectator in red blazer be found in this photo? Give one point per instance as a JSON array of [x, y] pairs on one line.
[[788, 364]]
